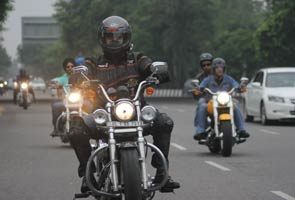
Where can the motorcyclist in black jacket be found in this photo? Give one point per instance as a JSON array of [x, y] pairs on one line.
[[23, 76], [205, 63], [119, 65]]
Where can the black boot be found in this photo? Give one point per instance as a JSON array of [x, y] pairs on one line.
[[84, 186], [169, 186], [243, 134], [200, 136]]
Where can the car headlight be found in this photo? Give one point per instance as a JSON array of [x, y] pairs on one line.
[[5, 82], [148, 113], [124, 111], [24, 86], [276, 99], [100, 116], [74, 97], [223, 98], [1, 85]]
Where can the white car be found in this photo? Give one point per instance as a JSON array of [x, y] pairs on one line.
[[38, 84], [271, 95]]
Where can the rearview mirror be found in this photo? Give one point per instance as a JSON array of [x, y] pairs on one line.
[[257, 84], [196, 82], [244, 80], [159, 67]]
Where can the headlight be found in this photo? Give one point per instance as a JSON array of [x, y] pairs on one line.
[[24, 86], [148, 113], [223, 98], [276, 99], [124, 111], [100, 116], [74, 97], [5, 83], [15, 84], [1, 85]]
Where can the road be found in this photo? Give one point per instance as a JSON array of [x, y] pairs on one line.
[[36, 167]]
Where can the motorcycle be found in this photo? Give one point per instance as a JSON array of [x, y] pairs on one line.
[[120, 158], [24, 98], [221, 130], [73, 102], [2, 88]]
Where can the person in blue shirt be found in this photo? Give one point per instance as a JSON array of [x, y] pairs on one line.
[[218, 81], [58, 83]]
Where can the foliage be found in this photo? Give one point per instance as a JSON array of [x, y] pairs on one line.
[[179, 31], [276, 41]]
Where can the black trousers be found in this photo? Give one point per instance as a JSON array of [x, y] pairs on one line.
[[83, 130]]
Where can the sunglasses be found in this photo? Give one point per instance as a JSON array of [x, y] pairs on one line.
[[206, 64]]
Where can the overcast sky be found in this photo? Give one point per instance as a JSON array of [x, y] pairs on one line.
[[12, 36]]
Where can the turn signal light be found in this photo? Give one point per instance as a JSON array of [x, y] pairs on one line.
[[149, 91], [196, 92]]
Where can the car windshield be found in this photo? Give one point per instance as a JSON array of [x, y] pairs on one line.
[[281, 79]]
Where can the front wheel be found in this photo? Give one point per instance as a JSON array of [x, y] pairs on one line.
[[131, 174], [263, 117], [227, 138]]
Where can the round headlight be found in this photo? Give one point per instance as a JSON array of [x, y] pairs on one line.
[[74, 97], [5, 83], [1, 85], [223, 98], [100, 116], [15, 84], [148, 113], [24, 86], [124, 111]]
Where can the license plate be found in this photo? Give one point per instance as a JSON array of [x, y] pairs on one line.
[[125, 124]]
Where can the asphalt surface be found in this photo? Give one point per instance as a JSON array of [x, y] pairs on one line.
[[35, 167]]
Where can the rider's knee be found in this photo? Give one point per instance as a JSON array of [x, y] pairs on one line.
[[164, 123]]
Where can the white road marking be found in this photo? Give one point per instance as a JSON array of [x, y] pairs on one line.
[[180, 110], [165, 107], [217, 165], [178, 146], [269, 132], [283, 195]]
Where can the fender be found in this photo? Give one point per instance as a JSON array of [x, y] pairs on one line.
[[224, 117]]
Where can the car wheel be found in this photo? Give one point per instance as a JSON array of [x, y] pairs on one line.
[[247, 117], [263, 117]]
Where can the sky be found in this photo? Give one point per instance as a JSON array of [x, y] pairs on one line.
[[26, 8]]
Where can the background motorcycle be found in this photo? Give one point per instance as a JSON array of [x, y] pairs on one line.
[[221, 128], [24, 98], [73, 102], [121, 171]]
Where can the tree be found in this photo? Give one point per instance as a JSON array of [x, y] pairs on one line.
[[5, 7], [276, 42], [5, 60]]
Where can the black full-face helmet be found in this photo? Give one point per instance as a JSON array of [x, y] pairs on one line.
[[114, 35]]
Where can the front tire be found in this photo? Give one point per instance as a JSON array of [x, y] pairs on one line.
[[263, 117], [227, 138], [131, 174]]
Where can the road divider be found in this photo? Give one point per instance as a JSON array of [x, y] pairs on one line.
[[283, 195], [178, 146], [214, 164]]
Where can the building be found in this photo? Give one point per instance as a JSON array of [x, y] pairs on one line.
[[39, 30]]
